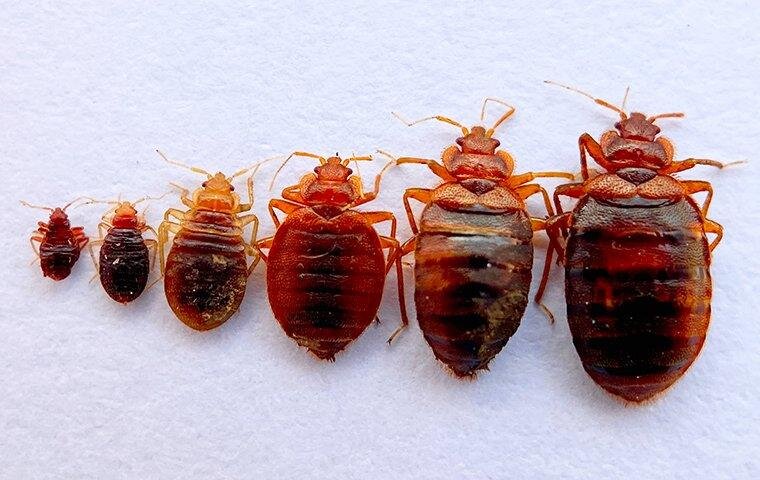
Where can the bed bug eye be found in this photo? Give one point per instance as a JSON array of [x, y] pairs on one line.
[[204, 184], [232, 189]]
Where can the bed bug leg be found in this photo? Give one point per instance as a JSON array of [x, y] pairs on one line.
[[716, 228], [422, 195], [553, 227], [285, 206], [688, 163]]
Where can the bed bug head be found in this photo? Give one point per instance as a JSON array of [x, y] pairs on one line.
[[58, 216], [216, 192], [332, 182]]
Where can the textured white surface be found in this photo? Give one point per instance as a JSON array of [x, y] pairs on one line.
[[91, 389]]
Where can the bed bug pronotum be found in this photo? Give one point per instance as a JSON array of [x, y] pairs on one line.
[[325, 265], [206, 270], [473, 247], [124, 259], [59, 243], [637, 260]]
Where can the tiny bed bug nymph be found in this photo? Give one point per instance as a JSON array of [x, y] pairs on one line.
[[473, 247], [125, 257], [325, 264], [206, 270], [636, 256], [59, 243]]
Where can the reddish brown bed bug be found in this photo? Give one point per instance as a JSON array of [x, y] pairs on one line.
[[125, 257], [325, 265], [473, 247], [637, 260], [206, 270], [59, 243]]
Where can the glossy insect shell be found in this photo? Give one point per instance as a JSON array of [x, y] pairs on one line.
[[638, 291], [325, 277], [60, 249], [124, 264], [472, 276], [206, 270]]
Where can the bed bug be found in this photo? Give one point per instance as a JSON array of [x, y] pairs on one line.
[[59, 243], [125, 257], [473, 247], [637, 259], [206, 270], [325, 264]]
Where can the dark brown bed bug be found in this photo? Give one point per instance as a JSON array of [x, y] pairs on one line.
[[59, 243], [125, 258], [473, 247], [206, 270], [325, 265], [637, 260]]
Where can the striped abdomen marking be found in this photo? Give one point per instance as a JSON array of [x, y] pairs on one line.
[[206, 270], [124, 264], [325, 279], [638, 292], [59, 252], [472, 275]]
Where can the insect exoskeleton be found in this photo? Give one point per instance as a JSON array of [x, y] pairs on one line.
[[125, 257], [473, 247], [636, 256], [206, 270], [325, 264], [59, 243]]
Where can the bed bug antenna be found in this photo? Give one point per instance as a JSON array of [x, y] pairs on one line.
[[27, 204], [666, 115], [598, 101], [510, 111], [440, 118], [321, 159], [180, 164], [255, 167]]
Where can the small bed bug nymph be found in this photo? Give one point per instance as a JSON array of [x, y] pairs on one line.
[[637, 260], [473, 247], [325, 264], [125, 257], [206, 270], [59, 243]]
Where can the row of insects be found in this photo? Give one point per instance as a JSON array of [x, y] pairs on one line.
[[634, 249]]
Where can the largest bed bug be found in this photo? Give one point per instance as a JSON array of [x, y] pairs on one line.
[[637, 260], [59, 243], [473, 247], [124, 257], [206, 270], [325, 265]]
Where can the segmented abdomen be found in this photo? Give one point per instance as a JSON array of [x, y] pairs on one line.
[[206, 270], [638, 292], [325, 279], [59, 252], [124, 264], [472, 274]]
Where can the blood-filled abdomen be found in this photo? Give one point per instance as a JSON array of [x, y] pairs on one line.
[[325, 277], [638, 291], [472, 277]]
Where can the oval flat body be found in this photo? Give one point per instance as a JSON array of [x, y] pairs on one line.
[[472, 276], [58, 254], [206, 270], [325, 278], [638, 291], [124, 264]]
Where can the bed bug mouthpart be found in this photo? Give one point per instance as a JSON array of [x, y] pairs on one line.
[[125, 257], [206, 270], [636, 256], [473, 246], [59, 243], [325, 263]]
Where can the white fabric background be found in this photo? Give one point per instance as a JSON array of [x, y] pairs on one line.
[[92, 389]]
